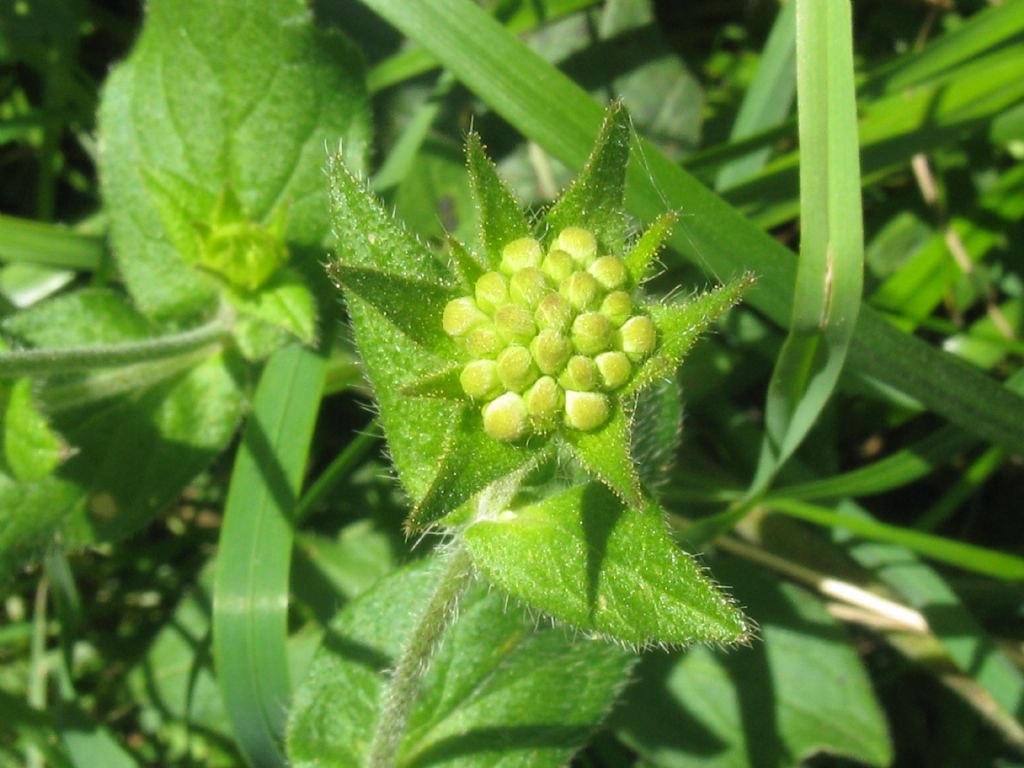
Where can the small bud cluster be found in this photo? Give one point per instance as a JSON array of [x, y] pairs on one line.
[[551, 336]]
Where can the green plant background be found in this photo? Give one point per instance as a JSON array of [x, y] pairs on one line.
[[200, 537]]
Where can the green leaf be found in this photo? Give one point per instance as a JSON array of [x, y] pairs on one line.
[[595, 201], [29, 448], [830, 270], [282, 304], [32, 512], [680, 325], [224, 94], [464, 263], [472, 460], [501, 218], [497, 692], [605, 454], [798, 691], [250, 615], [584, 558], [444, 384], [641, 256]]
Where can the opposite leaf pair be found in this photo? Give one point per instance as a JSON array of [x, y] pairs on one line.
[[532, 350]]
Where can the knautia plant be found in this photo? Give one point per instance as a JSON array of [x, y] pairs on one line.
[[508, 377]]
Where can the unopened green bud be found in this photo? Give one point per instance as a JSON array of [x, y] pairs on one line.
[[519, 254], [614, 368], [515, 324], [551, 350], [491, 291], [638, 337], [582, 290], [580, 374], [484, 341], [516, 370], [578, 243], [610, 272], [586, 410], [505, 418], [617, 307], [460, 315], [479, 379], [592, 332], [528, 286], [558, 265], [554, 312], [544, 402]]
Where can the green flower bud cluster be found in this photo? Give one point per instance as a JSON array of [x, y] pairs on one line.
[[551, 336]]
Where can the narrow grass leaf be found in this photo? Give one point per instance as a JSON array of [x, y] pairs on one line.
[[250, 614], [767, 100], [36, 242], [830, 270]]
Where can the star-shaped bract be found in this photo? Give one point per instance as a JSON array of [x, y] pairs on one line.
[[460, 408]]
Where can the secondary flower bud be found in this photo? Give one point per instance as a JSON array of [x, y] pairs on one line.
[[582, 290], [614, 368], [491, 291], [479, 379], [460, 315], [586, 410], [554, 312], [592, 332], [528, 286], [558, 265], [551, 350], [484, 341], [544, 401], [638, 337], [617, 307], [580, 374], [578, 243], [516, 369], [515, 324], [505, 418], [610, 272], [519, 254]]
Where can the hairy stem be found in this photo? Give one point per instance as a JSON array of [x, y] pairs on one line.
[[402, 689], [28, 362]]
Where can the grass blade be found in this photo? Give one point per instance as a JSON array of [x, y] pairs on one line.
[[251, 589], [557, 114], [34, 242], [829, 273], [767, 100], [999, 565]]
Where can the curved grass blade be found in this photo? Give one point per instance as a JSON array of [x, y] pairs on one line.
[[34, 242], [767, 100], [554, 112], [251, 589], [999, 565], [829, 274]]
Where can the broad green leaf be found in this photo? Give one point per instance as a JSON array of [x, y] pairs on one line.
[[501, 218], [132, 455], [798, 691], [30, 515], [224, 94], [250, 609], [497, 693], [605, 453], [472, 460], [29, 448], [584, 559], [595, 201], [680, 325], [562, 119], [281, 309]]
